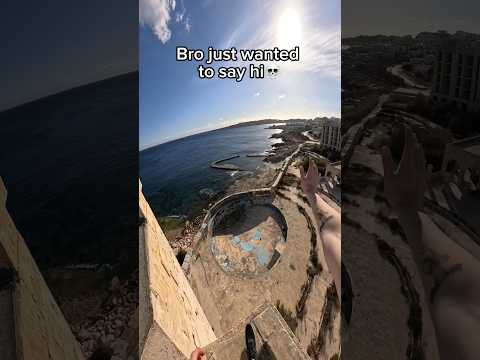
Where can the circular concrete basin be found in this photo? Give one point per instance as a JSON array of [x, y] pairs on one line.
[[249, 239]]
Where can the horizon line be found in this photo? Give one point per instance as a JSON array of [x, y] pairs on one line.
[[109, 77], [146, 147]]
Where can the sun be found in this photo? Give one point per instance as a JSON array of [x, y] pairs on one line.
[[289, 29]]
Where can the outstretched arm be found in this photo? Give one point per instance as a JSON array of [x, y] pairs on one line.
[[328, 223], [449, 273]]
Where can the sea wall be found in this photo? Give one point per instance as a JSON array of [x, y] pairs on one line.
[[237, 201], [170, 313], [285, 166], [256, 196], [41, 331]]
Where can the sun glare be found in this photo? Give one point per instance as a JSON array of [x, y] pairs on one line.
[[289, 29]]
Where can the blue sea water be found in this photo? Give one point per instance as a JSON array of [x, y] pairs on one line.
[[177, 178]]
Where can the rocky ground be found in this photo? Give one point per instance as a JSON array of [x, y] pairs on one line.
[[110, 329], [291, 138], [181, 238]]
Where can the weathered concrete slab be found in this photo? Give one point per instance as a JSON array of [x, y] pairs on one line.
[[274, 339]]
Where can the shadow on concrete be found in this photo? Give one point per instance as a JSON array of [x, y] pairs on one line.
[[265, 353]]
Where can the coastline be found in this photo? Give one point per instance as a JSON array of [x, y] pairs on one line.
[[180, 233], [238, 125]]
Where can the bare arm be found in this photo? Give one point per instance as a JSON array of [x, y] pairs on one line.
[[328, 223], [449, 273]]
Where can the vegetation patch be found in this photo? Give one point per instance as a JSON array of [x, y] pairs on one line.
[[316, 347], [314, 267], [171, 223], [288, 316], [288, 180], [415, 326]]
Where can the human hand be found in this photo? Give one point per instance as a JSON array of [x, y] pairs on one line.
[[197, 354], [309, 181], [405, 186]]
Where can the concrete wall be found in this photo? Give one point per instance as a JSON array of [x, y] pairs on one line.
[[170, 312], [41, 330]]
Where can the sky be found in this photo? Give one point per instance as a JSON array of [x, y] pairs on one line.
[[51, 46], [175, 103], [395, 17]]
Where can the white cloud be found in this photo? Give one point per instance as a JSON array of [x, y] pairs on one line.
[[156, 14], [322, 53], [282, 96], [320, 49], [188, 24], [256, 94]]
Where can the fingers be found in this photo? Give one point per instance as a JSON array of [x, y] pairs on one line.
[[302, 172], [197, 354], [409, 149], [421, 163], [388, 167], [310, 168], [315, 168], [421, 174]]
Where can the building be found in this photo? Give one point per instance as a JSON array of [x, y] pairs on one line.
[[329, 133], [457, 76]]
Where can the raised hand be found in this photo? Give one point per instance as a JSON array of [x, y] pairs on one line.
[[405, 186], [309, 181]]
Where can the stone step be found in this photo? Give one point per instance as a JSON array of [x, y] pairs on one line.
[[273, 337]]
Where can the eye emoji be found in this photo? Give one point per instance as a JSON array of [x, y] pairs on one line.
[[272, 71]]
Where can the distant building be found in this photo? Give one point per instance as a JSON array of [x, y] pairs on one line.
[[456, 75], [329, 134], [296, 123]]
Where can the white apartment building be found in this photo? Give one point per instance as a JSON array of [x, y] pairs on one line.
[[329, 133], [457, 75]]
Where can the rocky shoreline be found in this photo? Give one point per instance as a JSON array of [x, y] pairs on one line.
[[291, 138], [181, 237]]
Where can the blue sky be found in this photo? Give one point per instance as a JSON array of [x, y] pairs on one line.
[[51, 46], [175, 103]]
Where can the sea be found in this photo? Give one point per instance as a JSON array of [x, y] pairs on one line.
[[177, 179]]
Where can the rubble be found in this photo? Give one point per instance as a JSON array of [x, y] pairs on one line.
[[115, 329]]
